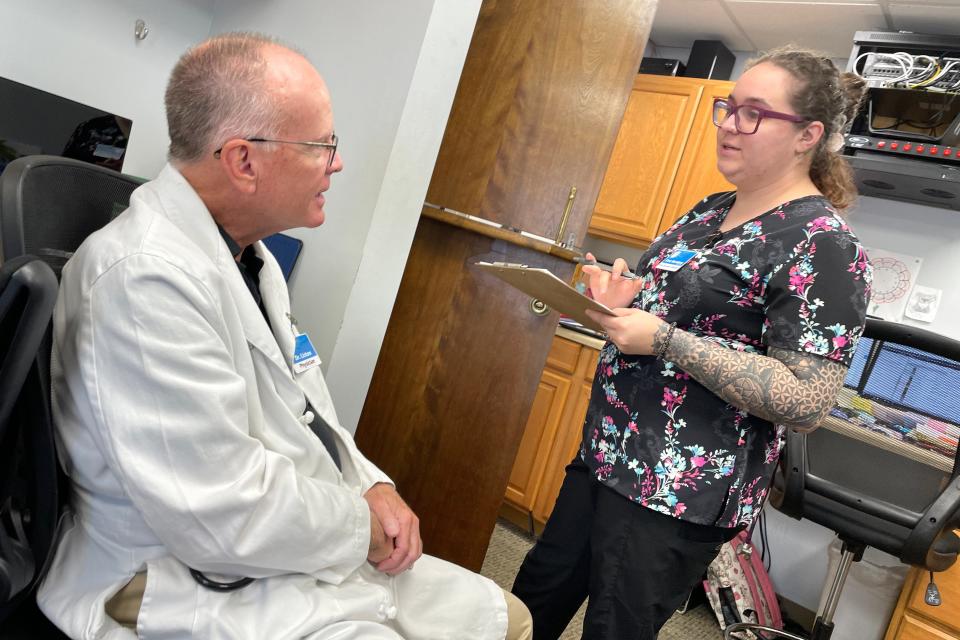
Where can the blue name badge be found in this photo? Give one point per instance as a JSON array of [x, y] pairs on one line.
[[676, 260], [304, 355]]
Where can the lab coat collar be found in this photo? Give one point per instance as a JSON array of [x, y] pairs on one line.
[[186, 210], [276, 301]]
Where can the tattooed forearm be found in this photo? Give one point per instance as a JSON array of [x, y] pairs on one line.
[[663, 330], [785, 387]]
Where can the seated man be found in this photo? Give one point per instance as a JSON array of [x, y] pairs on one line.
[[193, 420]]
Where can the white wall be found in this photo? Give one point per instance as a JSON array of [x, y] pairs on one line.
[[392, 69], [398, 206], [86, 51], [926, 232]]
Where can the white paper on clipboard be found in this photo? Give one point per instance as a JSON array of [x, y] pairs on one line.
[[541, 284]]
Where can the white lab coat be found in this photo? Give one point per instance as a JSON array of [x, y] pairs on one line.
[[180, 423]]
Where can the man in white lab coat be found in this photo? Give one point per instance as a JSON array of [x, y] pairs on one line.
[[192, 418]]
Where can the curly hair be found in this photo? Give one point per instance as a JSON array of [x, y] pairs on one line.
[[826, 94]]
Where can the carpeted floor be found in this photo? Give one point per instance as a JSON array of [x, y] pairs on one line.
[[509, 545]]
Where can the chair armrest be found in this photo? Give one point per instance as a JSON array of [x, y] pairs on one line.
[[28, 280], [936, 521], [789, 484]]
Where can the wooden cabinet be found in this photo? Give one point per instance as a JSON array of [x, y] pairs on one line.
[[552, 434], [664, 159], [569, 435], [913, 619], [543, 424]]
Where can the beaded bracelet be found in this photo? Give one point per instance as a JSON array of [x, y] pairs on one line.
[[666, 341]]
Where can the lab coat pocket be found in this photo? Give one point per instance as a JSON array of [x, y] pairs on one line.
[[170, 607]]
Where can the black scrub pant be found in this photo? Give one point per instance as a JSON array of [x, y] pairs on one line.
[[636, 565]]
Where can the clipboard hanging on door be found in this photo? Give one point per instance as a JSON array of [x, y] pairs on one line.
[[541, 284]]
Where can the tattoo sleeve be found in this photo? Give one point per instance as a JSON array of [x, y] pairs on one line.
[[785, 387]]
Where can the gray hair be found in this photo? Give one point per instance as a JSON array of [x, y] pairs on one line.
[[217, 91]]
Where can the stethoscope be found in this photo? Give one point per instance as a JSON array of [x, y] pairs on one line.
[[215, 585]]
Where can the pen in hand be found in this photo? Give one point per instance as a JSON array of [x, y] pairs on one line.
[[629, 275]]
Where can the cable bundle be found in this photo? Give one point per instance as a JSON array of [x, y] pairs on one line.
[[910, 71]]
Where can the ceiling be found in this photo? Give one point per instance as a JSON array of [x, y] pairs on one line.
[[825, 25]]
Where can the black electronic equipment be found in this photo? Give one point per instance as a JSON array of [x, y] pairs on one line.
[[904, 142], [35, 122], [662, 67], [710, 59]]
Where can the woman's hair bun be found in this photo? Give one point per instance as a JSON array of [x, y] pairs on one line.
[[854, 89]]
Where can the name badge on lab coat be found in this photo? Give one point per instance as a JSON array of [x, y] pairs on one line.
[[304, 355], [676, 260]]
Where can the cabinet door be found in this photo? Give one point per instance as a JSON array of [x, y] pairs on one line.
[[645, 159], [568, 435], [916, 629], [540, 431], [948, 613], [697, 176], [543, 423]]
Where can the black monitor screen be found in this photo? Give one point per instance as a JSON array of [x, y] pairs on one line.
[[37, 122], [907, 378]]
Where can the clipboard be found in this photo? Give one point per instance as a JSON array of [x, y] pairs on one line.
[[541, 284]]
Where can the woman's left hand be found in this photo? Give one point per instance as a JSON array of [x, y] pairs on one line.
[[631, 330]]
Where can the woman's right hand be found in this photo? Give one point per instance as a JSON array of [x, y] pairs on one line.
[[610, 288]]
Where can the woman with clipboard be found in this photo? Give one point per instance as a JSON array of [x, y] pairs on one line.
[[742, 324]]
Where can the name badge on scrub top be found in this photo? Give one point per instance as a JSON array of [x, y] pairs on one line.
[[304, 355], [676, 260]]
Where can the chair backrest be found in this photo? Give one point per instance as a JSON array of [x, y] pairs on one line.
[[883, 469], [28, 480], [48, 206]]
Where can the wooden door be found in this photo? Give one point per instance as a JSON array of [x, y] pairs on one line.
[[536, 112], [543, 423], [697, 176], [645, 159]]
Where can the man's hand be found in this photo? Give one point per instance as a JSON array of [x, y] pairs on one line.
[[631, 330], [381, 546], [400, 525]]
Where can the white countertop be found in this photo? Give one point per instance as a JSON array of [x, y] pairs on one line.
[[580, 338]]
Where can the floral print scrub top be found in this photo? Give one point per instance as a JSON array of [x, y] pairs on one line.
[[793, 278]]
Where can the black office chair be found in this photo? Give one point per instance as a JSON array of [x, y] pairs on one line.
[[882, 470], [48, 206], [28, 290]]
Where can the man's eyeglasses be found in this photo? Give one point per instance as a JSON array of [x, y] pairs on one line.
[[747, 117], [332, 145]]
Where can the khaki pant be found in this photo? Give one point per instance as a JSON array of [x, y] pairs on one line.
[[124, 607]]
